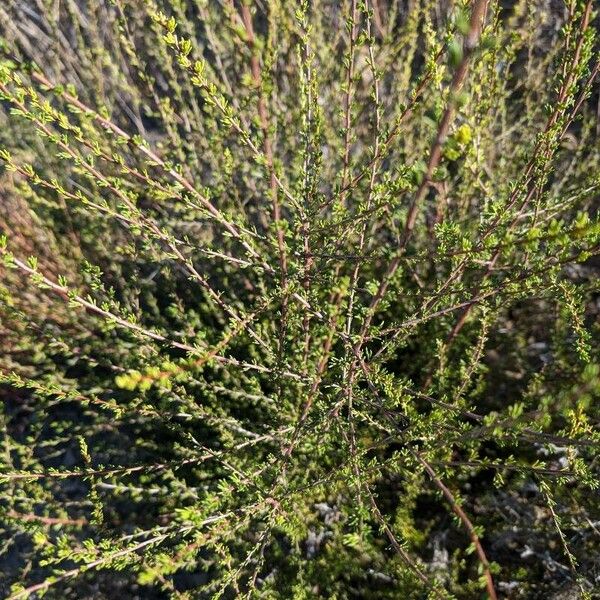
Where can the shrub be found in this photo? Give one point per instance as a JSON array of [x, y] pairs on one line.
[[299, 299]]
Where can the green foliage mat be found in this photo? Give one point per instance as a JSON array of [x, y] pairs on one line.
[[299, 299]]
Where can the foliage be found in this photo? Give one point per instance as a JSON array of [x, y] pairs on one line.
[[299, 299]]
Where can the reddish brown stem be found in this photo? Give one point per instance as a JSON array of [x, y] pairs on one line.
[[460, 513], [263, 117]]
